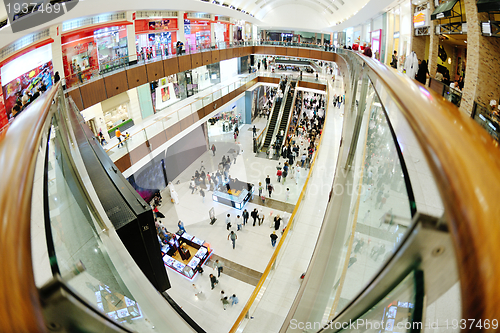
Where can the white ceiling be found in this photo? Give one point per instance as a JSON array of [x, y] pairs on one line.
[[302, 15]]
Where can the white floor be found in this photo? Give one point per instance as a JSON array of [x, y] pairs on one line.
[[253, 246]]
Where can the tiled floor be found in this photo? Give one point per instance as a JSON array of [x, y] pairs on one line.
[[253, 247]]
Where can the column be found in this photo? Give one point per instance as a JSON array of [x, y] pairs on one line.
[[390, 39], [482, 82], [180, 26], [57, 59], [419, 43], [433, 43], [322, 39], [132, 51]]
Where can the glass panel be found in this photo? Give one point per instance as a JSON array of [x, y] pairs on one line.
[[197, 105], [135, 140], [225, 91], [380, 213], [116, 152], [79, 253], [184, 112], [400, 311], [207, 100], [170, 120], [217, 94], [153, 129]]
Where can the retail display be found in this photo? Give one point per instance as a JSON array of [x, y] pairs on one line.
[[234, 193], [184, 253]]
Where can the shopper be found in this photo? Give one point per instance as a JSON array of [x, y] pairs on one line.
[[234, 300], [118, 135], [279, 173], [197, 290], [287, 194], [213, 149], [268, 180], [228, 221], [245, 216], [254, 131], [261, 216], [270, 189], [274, 237], [254, 215], [277, 222], [239, 222], [233, 238], [225, 303], [213, 281], [260, 189], [219, 267], [180, 224]]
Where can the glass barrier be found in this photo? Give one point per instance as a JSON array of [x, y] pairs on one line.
[[79, 254], [400, 311]]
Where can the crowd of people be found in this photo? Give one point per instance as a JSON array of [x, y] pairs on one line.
[[27, 97]]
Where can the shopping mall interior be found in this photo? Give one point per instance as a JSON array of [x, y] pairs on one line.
[[250, 166]]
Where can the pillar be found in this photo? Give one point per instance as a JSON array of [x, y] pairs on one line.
[[57, 60], [419, 43], [180, 26], [132, 50], [482, 82], [433, 43], [322, 39]]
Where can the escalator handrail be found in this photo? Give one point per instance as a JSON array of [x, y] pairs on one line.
[[465, 162], [281, 111], [264, 132], [20, 309]]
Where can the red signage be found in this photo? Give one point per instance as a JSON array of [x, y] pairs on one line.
[[3, 112]]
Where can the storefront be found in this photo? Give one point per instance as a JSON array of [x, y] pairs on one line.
[[227, 119], [25, 74], [238, 30], [197, 34], [155, 38], [221, 31], [88, 52], [167, 92]]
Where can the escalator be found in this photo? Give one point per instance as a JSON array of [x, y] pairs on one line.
[[272, 125], [285, 118]]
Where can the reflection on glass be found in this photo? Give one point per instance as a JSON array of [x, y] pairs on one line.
[[380, 213], [76, 240], [400, 311]]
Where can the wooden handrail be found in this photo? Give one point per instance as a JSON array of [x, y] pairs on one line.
[[269, 266], [20, 308], [465, 162]]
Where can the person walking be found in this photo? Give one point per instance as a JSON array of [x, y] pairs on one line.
[[202, 193], [277, 222], [238, 222], [213, 281], [197, 290], [279, 173], [254, 215], [233, 238], [225, 303], [274, 237], [270, 189], [268, 181], [228, 221], [303, 159], [180, 224], [284, 174], [254, 131], [297, 175], [213, 149], [245, 216], [218, 266], [260, 189], [234, 300], [287, 194], [261, 216]]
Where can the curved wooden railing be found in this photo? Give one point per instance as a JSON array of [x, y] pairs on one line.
[[20, 308], [276, 252], [465, 163]]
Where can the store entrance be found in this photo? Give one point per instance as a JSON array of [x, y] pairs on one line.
[[191, 86]]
